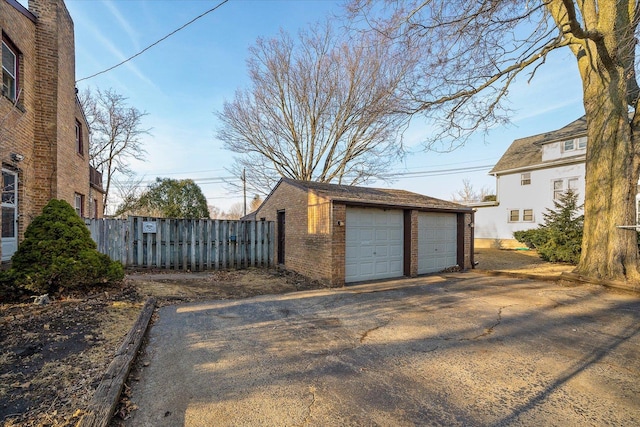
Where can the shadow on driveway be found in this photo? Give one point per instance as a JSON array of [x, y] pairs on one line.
[[460, 349]]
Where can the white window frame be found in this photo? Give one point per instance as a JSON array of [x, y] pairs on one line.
[[79, 204], [524, 215], [581, 142], [557, 191], [569, 145], [573, 184], [10, 91], [511, 215], [525, 178]]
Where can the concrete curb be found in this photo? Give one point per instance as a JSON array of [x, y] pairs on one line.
[[545, 277], [106, 396], [567, 276]]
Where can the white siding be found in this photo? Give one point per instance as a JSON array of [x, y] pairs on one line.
[[493, 222], [555, 150]]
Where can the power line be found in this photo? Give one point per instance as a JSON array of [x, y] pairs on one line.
[[154, 43], [398, 175]]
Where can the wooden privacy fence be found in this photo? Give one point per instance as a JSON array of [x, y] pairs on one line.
[[185, 244]]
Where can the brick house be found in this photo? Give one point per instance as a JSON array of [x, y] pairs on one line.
[[43, 132], [340, 234]]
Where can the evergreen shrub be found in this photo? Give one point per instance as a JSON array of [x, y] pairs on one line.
[[58, 253], [559, 238]]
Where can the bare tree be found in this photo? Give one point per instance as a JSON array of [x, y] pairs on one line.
[[472, 53], [236, 211], [322, 107], [255, 203], [116, 131], [127, 193], [468, 194], [215, 212]]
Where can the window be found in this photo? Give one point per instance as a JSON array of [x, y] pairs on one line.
[[79, 142], [527, 215], [558, 188], [573, 184], [79, 204], [582, 142], [95, 208], [525, 178], [514, 215], [9, 70]]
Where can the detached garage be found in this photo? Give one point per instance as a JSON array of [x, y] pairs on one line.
[[342, 234]]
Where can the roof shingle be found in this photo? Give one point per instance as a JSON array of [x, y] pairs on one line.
[[527, 151], [375, 196]]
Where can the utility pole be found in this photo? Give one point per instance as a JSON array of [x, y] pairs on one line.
[[244, 190]]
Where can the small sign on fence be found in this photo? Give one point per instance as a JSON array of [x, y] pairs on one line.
[[149, 227]]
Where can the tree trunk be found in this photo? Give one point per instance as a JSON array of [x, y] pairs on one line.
[[608, 252]]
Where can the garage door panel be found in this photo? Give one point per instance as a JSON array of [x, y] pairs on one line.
[[374, 244], [437, 241]]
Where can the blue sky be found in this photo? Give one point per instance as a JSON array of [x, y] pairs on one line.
[[182, 81]]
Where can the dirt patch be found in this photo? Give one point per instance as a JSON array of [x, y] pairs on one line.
[[171, 288], [53, 356], [517, 261]]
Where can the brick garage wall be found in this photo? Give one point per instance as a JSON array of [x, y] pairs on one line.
[[338, 244], [468, 236], [307, 230]]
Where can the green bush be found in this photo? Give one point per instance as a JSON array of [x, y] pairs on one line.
[[58, 252], [559, 239], [531, 238]]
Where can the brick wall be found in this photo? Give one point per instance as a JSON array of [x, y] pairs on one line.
[[338, 244], [42, 127], [308, 243], [17, 123], [468, 239]]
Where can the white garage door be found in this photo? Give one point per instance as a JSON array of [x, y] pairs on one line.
[[437, 241], [374, 243]]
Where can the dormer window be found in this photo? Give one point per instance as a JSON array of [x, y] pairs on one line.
[[575, 144], [9, 70]]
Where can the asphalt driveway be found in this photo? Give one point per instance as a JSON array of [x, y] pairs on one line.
[[459, 349]]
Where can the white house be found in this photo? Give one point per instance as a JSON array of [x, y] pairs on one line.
[[532, 173]]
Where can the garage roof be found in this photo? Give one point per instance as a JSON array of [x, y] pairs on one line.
[[375, 196]]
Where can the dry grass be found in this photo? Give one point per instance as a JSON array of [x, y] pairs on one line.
[[517, 261]]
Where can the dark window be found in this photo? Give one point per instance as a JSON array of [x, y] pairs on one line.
[[79, 142], [525, 178], [10, 62]]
